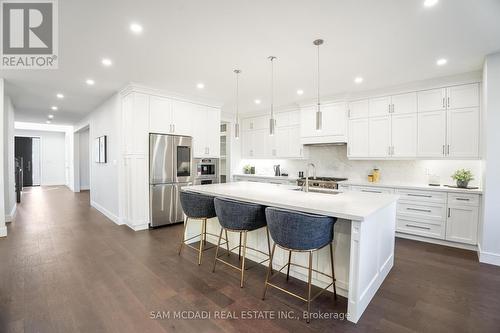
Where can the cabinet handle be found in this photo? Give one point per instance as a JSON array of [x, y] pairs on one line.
[[444, 151], [448, 101], [444, 102], [449, 212], [462, 199], [348, 113], [392, 108], [418, 227], [392, 152], [448, 150], [419, 210], [419, 195]]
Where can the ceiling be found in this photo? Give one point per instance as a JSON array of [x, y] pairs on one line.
[[184, 42]]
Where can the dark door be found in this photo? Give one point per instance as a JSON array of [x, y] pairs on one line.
[[24, 151]]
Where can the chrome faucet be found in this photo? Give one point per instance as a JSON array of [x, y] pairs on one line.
[[307, 176]]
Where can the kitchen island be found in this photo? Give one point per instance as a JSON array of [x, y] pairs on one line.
[[363, 236]]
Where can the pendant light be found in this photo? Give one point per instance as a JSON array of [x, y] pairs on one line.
[[319, 115], [237, 124], [272, 121]]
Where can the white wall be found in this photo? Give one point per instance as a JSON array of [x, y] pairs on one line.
[[3, 228], [84, 159], [53, 155], [332, 161], [104, 185], [9, 161], [489, 231]]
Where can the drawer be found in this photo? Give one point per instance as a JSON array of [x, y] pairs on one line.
[[426, 211], [457, 199], [420, 227], [421, 196], [370, 189]]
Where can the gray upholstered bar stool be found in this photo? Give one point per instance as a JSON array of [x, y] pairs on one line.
[[198, 207], [240, 217], [299, 232]]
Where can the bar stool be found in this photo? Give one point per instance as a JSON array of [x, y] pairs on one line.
[[240, 217], [299, 232], [198, 207]]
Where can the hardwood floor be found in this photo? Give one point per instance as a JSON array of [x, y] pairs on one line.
[[64, 267]]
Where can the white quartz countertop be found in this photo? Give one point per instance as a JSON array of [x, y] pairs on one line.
[[348, 205], [401, 185], [265, 176]]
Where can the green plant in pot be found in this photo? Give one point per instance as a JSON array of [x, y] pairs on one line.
[[463, 177], [247, 169]]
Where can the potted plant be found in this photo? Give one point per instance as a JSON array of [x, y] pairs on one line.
[[463, 177], [247, 169]]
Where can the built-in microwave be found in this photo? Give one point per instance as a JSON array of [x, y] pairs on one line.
[[207, 171]]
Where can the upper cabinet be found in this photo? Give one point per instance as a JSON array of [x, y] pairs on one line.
[[333, 124], [435, 123], [169, 116], [206, 129]]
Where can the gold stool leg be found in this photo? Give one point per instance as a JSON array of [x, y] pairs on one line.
[[269, 269], [227, 244], [217, 249], [288, 268], [269, 245], [239, 249], [183, 235], [309, 288], [333, 271], [243, 259], [205, 233], [203, 230]]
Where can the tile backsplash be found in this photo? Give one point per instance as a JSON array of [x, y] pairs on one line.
[[332, 161]]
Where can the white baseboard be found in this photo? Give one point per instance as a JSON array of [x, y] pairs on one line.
[[139, 227], [84, 188], [437, 241], [105, 212], [489, 257], [3, 231], [10, 217]]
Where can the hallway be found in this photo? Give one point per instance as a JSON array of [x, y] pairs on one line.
[[67, 268]]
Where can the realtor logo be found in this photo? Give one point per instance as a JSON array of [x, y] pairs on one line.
[[29, 34]]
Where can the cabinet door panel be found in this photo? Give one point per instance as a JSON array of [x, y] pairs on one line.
[[463, 132], [379, 106], [431, 134], [431, 100], [261, 143], [334, 119], [404, 103], [358, 144], [160, 115], [463, 96], [199, 130], [212, 131], [183, 117], [247, 144], [404, 135], [281, 142], [358, 109], [461, 225], [295, 148], [380, 136], [308, 122]]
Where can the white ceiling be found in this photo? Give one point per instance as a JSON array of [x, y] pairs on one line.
[[185, 41]]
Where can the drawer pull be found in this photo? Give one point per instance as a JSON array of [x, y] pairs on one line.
[[371, 191], [419, 210], [418, 227], [419, 195], [463, 199]]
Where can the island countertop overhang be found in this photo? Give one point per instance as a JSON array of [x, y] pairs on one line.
[[355, 206]]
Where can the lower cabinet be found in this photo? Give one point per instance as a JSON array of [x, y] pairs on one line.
[[462, 222]]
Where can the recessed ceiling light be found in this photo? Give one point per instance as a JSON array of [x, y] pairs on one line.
[[54, 108], [430, 3], [200, 85], [60, 96], [136, 28], [441, 62], [106, 62], [90, 82], [358, 80], [51, 116], [48, 121], [300, 92], [257, 101]]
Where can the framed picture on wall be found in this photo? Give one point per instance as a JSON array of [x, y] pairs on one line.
[[100, 149]]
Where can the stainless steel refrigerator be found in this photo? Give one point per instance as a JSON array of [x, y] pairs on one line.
[[170, 168]]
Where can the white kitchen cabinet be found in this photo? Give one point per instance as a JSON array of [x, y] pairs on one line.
[[463, 96], [254, 123], [182, 118], [358, 109], [463, 133], [404, 135], [160, 115], [431, 140], [431, 100], [287, 143], [379, 106], [135, 116], [358, 144], [404, 103], [247, 144], [334, 124], [206, 129], [461, 225], [380, 136]]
